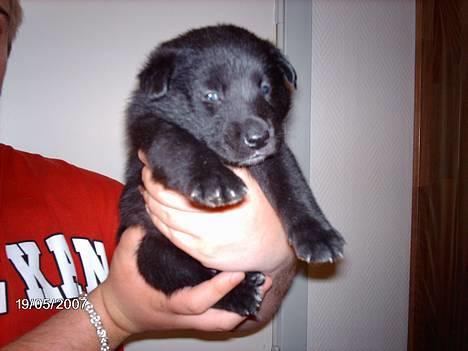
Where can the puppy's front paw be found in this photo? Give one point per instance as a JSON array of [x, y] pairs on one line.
[[314, 243], [217, 188], [244, 299]]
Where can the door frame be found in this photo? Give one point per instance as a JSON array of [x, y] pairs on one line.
[[294, 36]]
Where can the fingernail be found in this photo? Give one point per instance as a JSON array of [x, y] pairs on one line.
[[236, 277]]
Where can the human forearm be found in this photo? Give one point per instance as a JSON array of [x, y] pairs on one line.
[[69, 330], [128, 305]]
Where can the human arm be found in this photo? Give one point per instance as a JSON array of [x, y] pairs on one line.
[[245, 237], [128, 305]]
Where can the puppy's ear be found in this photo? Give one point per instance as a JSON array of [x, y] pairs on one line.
[[286, 68], [155, 76]]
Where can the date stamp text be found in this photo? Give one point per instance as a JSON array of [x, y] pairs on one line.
[[50, 304]]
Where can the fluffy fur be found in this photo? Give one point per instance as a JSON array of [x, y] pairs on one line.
[[212, 97]]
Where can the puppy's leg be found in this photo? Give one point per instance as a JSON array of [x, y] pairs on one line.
[[311, 235], [183, 163]]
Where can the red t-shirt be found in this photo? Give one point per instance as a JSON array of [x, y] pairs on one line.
[[58, 228]]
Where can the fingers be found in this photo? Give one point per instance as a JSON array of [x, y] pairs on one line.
[[213, 320], [190, 308], [180, 219], [174, 199], [184, 241], [169, 198], [194, 304], [198, 299], [201, 234]]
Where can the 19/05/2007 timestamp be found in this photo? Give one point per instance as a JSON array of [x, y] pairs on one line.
[[50, 303]]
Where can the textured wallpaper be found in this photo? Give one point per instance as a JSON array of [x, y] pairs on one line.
[[361, 169]]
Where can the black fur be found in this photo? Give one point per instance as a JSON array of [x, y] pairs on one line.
[[215, 96]]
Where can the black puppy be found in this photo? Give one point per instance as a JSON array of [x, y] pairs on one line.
[[215, 96]]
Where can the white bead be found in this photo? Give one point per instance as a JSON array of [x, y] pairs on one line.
[[95, 320]]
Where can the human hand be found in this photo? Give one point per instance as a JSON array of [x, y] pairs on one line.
[[133, 306], [245, 237]]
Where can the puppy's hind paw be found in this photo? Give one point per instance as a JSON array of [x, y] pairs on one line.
[[246, 298]]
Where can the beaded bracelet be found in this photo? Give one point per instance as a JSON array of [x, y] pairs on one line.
[[95, 320]]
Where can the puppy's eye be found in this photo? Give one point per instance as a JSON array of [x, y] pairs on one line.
[[212, 96], [265, 88]]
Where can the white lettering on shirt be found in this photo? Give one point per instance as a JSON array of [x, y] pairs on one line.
[[3, 298], [58, 246], [25, 257], [93, 260]]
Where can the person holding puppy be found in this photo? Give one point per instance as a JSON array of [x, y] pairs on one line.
[[57, 233]]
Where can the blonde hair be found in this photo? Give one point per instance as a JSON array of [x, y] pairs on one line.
[[16, 17]]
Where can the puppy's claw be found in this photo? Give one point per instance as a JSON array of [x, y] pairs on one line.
[[232, 194], [217, 190]]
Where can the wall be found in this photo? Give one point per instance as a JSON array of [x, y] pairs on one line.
[[69, 77], [74, 65], [361, 165]]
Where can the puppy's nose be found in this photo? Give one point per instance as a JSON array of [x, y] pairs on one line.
[[256, 137]]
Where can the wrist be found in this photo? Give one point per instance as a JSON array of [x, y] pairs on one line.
[[115, 333]]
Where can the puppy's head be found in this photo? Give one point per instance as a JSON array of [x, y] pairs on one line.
[[222, 84]]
